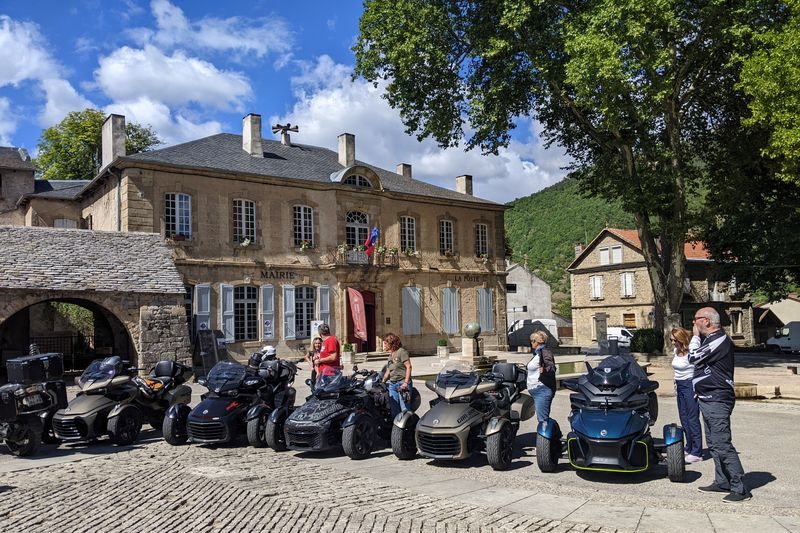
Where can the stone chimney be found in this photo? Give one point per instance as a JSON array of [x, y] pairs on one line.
[[464, 184], [251, 135], [404, 169], [347, 149], [113, 139], [578, 249]]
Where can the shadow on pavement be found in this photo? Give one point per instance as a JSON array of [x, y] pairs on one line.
[[754, 480], [655, 473]]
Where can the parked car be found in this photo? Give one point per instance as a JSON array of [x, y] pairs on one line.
[[621, 333], [786, 339]]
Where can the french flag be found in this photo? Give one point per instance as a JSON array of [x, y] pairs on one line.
[[371, 240]]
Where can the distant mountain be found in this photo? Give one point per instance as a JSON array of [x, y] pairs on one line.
[[547, 225]]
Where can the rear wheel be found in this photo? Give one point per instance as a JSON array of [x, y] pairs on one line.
[[256, 430], [28, 443], [359, 439], [174, 430], [404, 444], [675, 462], [652, 407], [547, 453], [273, 434], [48, 433], [499, 447], [125, 427]]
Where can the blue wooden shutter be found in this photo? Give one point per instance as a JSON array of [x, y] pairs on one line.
[[324, 305], [267, 312], [450, 310], [202, 297], [226, 311], [485, 309], [411, 311], [288, 313]]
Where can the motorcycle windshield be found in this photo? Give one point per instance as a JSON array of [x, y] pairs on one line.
[[226, 376], [333, 382], [101, 370], [456, 375]]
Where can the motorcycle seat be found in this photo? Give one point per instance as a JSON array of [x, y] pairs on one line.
[[164, 369]]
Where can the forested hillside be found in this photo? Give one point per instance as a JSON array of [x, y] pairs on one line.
[[547, 225]]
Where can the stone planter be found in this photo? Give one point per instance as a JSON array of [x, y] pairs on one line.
[[348, 358], [443, 352]]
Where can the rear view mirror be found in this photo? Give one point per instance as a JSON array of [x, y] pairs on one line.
[[308, 382]]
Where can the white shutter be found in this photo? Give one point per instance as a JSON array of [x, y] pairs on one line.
[[604, 259], [616, 254], [202, 297], [485, 310], [599, 286], [267, 312], [288, 313], [324, 305], [411, 311], [226, 311]]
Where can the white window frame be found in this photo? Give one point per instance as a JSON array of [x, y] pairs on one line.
[[446, 242], [357, 180], [616, 254], [605, 255], [627, 285], [303, 224], [245, 313], [596, 287], [303, 312], [244, 220], [178, 214], [481, 240], [408, 234], [356, 228]]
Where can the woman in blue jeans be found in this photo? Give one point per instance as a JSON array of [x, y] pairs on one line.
[[688, 408], [398, 373], [541, 376]]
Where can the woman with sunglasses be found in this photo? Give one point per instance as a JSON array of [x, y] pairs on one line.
[[688, 408]]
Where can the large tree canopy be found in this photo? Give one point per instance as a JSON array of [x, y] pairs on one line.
[[636, 91], [70, 150]]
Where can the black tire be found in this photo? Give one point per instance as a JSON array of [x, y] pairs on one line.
[[174, 430], [125, 427], [157, 423], [48, 433], [29, 443], [256, 429], [676, 466], [652, 407], [546, 453], [404, 443], [359, 439], [275, 437], [500, 447]]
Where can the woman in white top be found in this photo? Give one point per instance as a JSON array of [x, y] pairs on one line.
[[688, 408], [541, 376]]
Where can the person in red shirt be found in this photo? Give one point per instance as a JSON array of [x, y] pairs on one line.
[[329, 356]]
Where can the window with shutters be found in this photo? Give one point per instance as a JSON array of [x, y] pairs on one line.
[[245, 313], [356, 228], [446, 237], [178, 215], [616, 255], [304, 305], [450, 307], [627, 288], [408, 234], [481, 240], [303, 226], [596, 287], [629, 320], [604, 256], [412, 311], [485, 309], [244, 221], [202, 305]]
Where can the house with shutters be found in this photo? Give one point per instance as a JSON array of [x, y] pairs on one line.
[[268, 237], [609, 276]]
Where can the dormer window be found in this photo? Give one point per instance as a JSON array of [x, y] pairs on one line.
[[357, 180]]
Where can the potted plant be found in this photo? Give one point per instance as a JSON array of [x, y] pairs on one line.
[[347, 354], [361, 248], [305, 245], [442, 350], [380, 250], [391, 252], [409, 251], [343, 248], [245, 243], [449, 253]]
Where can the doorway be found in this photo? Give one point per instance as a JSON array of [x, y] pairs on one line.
[[369, 314]]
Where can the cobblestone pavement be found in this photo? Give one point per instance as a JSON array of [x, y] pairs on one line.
[[156, 487]]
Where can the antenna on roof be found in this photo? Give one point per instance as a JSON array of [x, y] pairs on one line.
[[284, 130]]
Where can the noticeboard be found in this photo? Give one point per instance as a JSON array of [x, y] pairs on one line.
[[209, 349]]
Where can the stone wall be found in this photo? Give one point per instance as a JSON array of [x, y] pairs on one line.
[[164, 335]]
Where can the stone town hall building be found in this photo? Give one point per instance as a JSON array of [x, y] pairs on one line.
[[265, 236]]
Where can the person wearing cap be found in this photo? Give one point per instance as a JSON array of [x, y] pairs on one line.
[[330, 354]]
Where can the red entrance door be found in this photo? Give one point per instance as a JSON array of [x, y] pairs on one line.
[[369, 311]]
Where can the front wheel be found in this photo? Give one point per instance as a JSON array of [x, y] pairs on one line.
[[546, 453], [358, 439], [499, 447], [404, 444], [125, 427], [274, 436], [48, 433], [675, 462], [174, 430], [28, 443], [256, 429]]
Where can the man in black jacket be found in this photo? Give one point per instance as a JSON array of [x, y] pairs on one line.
[[712, 358]]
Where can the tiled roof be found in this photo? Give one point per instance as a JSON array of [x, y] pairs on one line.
[[692, 250], [15, 158], [77, 260], [58, 189], [297, 162]]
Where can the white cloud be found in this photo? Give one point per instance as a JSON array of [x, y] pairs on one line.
[[244, 36], [61, 99], [127, 74], [23, 53], [328, 104], [7, 122], [171, 127]]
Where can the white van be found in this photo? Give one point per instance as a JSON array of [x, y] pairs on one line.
[[787, 339], [622, 334]]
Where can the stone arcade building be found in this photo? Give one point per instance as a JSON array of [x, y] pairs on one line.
[[266, 235]]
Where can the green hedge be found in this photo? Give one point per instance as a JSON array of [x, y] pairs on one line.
[[647, 340]]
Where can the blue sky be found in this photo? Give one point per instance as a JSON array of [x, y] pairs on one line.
[[192, 69]]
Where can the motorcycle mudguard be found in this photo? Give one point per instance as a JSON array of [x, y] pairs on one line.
[[119, 408], [256, 411], [178, 411], [181, 394], [495, 425], [672, 433], [351, 419], [405, 420], [279, 415], [549, 429]]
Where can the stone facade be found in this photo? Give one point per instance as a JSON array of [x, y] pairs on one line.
[[610, 277]]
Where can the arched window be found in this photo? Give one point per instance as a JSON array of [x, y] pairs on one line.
[[357, 180], [356, 228]]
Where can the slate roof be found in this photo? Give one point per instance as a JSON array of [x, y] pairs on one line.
[[85, 260], [57, 189], [297, 162], [15, 159]]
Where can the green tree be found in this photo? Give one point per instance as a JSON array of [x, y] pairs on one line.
[[630, 88], [70, 150]]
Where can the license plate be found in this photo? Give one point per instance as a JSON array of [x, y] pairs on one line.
[[32, 401]]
